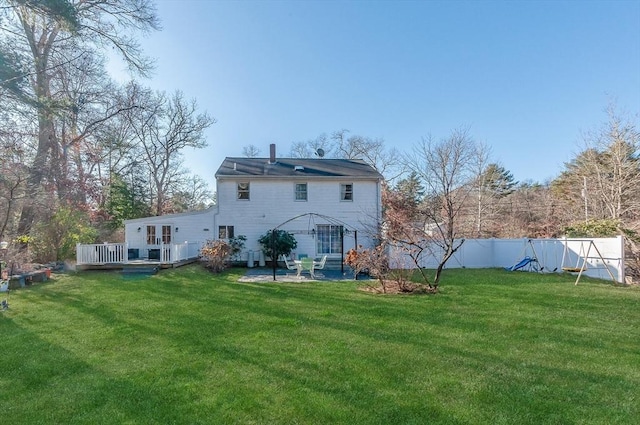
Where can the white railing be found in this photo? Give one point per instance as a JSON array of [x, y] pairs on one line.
[[180, 251], [106, 253], [117, 253]]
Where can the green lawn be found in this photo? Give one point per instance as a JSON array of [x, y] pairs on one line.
[[188, 347]]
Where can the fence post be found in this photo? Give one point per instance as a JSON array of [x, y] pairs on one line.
[[623, 277]]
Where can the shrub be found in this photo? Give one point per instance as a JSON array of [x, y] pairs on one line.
[[216, 254], [237, 245], [56, 238], [602, 228], [376, 262], [373, 261]]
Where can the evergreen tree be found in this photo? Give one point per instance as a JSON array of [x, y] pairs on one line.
[[411, 188]]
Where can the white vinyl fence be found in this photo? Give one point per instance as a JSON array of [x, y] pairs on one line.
[[602, 255]]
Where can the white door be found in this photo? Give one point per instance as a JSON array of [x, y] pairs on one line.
[[157, 235]]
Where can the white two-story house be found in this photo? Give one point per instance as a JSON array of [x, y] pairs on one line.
[[329, 205]]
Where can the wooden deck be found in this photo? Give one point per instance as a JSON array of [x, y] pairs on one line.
[[133, 264], [120, 256]]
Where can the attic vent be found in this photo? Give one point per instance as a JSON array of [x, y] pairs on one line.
[[298, 168]]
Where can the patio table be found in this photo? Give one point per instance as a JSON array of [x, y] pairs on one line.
[[305, 264]]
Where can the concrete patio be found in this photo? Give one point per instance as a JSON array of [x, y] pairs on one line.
[[265, 274]]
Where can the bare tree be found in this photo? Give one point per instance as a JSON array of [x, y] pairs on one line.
[[406, 230], [300, 150], [13, 177], [372, 151], [617, 168], [309, 148], [445, 168], [480, 164], [163, 127], [92, 103], [603, 181], [341, 145], [531, 210], [47, 36], [251, 151], [193, 194]]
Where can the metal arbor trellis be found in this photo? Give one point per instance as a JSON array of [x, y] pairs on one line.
[[344, 228]]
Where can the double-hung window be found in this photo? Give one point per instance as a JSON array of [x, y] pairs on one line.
[[225, 232], [301, 192], [243, 190], [346, 192]]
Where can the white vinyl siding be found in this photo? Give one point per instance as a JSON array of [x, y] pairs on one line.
[[273, 203]]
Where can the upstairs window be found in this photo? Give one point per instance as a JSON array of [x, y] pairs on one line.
[[301, 192], [225, 232], [346, 192], [243, 191]]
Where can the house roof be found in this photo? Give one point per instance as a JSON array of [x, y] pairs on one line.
[[166, 217], [296, 167]]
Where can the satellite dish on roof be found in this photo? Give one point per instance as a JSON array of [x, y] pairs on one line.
[[320, 152]]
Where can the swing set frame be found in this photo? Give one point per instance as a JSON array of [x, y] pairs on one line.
[[588, 257], [584, 255]]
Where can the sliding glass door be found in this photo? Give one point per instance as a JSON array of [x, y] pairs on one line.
[[329, 240]]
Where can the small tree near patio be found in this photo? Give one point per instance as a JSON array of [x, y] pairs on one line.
[[276, 243], [390, 276], [432, 228], [372, 261], [406, 231]]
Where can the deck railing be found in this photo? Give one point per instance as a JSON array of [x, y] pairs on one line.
[[107, 253], [118, 253], [186, 250]]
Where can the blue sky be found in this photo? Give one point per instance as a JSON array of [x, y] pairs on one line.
[[528, 78]]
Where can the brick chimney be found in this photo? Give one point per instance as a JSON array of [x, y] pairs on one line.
[[272, 153]]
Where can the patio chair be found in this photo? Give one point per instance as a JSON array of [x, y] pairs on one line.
[[291, 265], [319, 265]]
